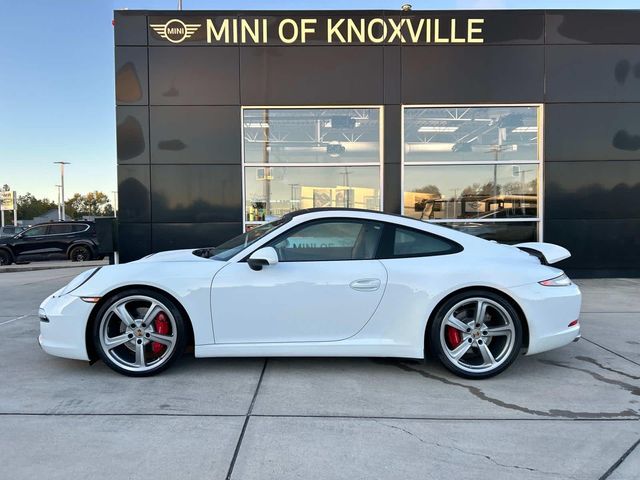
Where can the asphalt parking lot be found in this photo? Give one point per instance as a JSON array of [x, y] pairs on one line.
[[572, 413]]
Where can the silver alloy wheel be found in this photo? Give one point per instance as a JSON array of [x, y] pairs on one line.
[[486, 331], [127, 330]]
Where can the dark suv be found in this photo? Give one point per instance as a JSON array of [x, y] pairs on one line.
[[73, 240]]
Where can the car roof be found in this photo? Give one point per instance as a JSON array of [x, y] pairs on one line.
[[63, 222], [357, 213]]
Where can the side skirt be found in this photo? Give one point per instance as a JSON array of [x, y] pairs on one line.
[[309, 349]]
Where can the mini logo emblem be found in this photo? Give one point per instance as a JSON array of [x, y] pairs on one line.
[[176, 31]]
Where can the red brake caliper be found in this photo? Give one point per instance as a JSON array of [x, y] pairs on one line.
[[454, 337], [161, 324]]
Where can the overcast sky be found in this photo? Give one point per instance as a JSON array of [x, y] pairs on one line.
[[57, 80]]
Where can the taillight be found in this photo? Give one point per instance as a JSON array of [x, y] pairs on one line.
[[560, 281]]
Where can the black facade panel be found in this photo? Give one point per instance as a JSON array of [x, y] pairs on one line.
[[131, 76], [392, 75], [193, 76], [133, 193], [593, 27], [392, 188], [196, 193], [583, 190], [592, 131], [456, 74], [593, 73], [173, 236], [129, 29], [392, 130], [311, 76], [392, 159], [134, 241], [195, 134], [599, 245], [132, 134]]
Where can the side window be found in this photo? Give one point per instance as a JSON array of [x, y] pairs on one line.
[[36, 231], [414, 243], [79, 227], [60, 229], [330, 240]]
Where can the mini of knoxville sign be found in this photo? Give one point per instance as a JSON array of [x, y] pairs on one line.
[[329, 30]]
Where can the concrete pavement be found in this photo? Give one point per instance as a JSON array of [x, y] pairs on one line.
[[571, 413]]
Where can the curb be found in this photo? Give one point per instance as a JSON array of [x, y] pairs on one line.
[[33, 268]]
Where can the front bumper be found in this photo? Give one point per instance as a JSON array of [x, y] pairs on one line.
[[63, 323], [549, 311]]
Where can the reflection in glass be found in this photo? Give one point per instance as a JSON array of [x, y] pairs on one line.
[[502, 232], [436, 192], [270, 192], [336, 135], [470, 134]]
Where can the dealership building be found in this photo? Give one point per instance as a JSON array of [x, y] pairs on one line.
[[515, 126]]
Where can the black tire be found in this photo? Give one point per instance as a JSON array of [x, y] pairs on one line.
[[465, 366], [80, 253], [5, 258], [114, 362]]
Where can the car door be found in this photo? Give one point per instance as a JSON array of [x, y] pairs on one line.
[[32, 241], [60, 237], [325, 287]]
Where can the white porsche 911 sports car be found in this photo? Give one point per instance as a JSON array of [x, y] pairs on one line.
[[319, 282]]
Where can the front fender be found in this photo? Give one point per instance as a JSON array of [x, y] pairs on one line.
[[188, 282]]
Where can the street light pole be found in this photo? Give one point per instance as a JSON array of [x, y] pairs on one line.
[[59, 204], [62, 164]]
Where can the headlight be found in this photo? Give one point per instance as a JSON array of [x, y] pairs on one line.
[[79, 281], [561, 281]]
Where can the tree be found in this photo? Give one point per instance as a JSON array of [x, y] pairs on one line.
[[92, 204], [432, 189], [30, 207]]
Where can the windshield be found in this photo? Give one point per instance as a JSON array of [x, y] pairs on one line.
[[229, 248]]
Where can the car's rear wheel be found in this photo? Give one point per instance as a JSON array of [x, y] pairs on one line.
[[139, 332], [5, 258], [80, 253], [476, 334]]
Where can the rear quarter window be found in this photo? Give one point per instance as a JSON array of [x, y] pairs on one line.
[[408, 242]]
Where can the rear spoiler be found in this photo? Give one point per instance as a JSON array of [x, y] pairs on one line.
[[547, 253]]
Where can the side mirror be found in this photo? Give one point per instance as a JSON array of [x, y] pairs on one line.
[[263, 257]]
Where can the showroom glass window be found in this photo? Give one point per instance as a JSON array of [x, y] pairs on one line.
[[475, 169], [297, 158]]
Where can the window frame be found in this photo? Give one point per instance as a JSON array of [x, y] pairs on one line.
[[538, 219], [385, 241], [243, 164]]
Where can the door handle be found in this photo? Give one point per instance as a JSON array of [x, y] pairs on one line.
[[366, 284]]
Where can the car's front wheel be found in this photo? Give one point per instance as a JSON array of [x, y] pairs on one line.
[[476, 334], [139, 332]]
